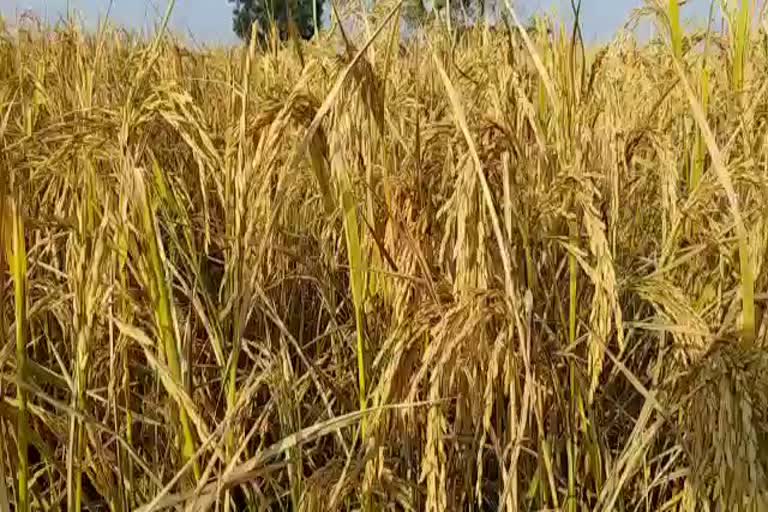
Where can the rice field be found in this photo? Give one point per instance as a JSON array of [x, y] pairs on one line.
[[500, 271]]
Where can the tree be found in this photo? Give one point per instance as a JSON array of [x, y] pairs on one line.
[[415, 12], [305, 14], [462, 13]]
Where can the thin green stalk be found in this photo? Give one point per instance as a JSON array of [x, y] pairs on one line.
[[17, 258], [357, 284], [701, 147], [315, 21], [676, 37], [741, 40], [4, 239], [166, 331], [357, 277], [676, 30]]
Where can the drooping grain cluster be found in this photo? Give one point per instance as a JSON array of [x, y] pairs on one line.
[[477, 272]]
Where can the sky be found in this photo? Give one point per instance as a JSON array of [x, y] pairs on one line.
[[210, 21]]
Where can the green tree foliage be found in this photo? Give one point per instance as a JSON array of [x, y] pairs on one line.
[[462, 12], [414, 13], [265, 12]]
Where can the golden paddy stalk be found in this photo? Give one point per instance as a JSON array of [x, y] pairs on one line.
[[531, 277]]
